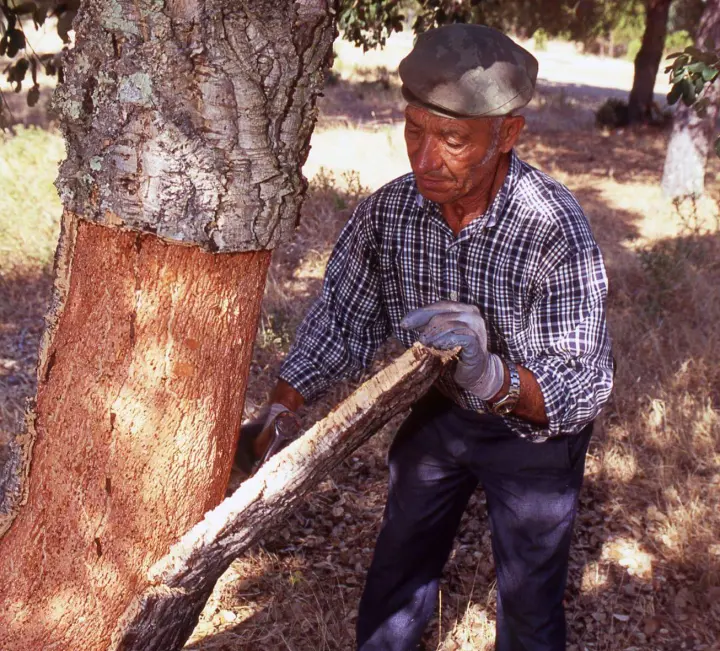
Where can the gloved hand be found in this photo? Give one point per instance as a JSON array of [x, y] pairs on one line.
[[446, 325], [257, 436]]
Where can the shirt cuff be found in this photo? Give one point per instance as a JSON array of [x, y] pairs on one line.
[[303, 376], [557, 394]]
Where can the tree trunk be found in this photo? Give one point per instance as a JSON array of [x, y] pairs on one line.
[[647, 61], [187, 123], [692, 136], [164, 615]]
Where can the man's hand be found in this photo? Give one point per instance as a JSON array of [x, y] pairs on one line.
[[446, 325], [257, 433]]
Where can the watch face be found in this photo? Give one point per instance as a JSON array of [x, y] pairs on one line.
[[504, 409]]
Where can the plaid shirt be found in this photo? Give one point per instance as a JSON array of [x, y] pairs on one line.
[[530, 264]]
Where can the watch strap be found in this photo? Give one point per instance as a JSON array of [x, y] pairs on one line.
[[508, 402]]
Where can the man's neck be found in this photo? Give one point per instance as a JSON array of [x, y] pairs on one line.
[[460, 213]]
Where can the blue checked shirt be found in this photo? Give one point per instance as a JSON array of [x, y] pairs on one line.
[[530, 264]]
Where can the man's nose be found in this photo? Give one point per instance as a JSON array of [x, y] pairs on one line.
[[427, 156]]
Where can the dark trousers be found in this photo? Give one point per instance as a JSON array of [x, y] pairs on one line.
[[436, 461]]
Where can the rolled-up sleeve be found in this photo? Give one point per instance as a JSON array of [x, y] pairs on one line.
[[345, 326], [573, 364]]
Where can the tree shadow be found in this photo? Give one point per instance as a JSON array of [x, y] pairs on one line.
[[23, 300], [571, 106], [15, 111], [376, 99]]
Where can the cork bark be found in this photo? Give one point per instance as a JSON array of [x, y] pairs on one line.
[[163, 616], [191, 119], [187, 123]]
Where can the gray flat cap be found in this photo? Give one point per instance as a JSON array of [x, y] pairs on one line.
[[468, 71]]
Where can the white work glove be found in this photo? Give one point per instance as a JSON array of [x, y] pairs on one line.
[[447, 325], [265, 415]]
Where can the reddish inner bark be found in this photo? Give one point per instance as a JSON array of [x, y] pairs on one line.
[[136, 423]]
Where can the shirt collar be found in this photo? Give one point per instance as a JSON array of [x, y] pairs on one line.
[[497, 207], [490, 217]]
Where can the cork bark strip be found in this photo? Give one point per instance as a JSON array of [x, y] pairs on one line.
[[140, 395], [163, 616]]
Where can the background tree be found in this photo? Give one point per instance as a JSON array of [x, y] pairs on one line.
[[661, 18], [186, 127], [647, 61], [368, 23], [693, 130]]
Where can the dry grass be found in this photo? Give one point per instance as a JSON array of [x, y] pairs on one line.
[[29, 211], [645, 567]]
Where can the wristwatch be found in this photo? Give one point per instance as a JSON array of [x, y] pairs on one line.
[[507, 403]]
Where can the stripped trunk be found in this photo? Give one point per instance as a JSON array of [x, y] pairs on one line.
[[163, 616], [647, 61], [187, 123], [692, 136]]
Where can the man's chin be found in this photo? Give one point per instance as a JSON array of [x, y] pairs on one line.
[[435, 190], [437, 195]]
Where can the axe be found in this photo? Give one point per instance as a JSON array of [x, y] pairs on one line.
[[259, 442]]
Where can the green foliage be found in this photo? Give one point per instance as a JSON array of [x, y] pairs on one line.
[[678, 40], [692, 71], [674, 41], [368, 23], [620, 26], [633, 47], [14, 45], [627, 26], [541, 40]]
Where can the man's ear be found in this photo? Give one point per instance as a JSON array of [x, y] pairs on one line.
[[510, 130]]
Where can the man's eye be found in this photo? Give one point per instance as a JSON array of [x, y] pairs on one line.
[[454, 144]]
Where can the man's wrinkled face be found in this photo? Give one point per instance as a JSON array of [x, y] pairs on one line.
[[451, 157]]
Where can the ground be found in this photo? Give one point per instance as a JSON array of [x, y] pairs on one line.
[[645, 564]]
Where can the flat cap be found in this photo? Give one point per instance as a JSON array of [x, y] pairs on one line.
[[468, 71]]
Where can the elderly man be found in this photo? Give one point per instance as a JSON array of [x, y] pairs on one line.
[[479, 250]]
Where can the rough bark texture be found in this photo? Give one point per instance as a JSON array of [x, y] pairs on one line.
[[164, 615], [693, 136], [15, 453], [191, 119], [648, 59], [137, 412], [187, 123]]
